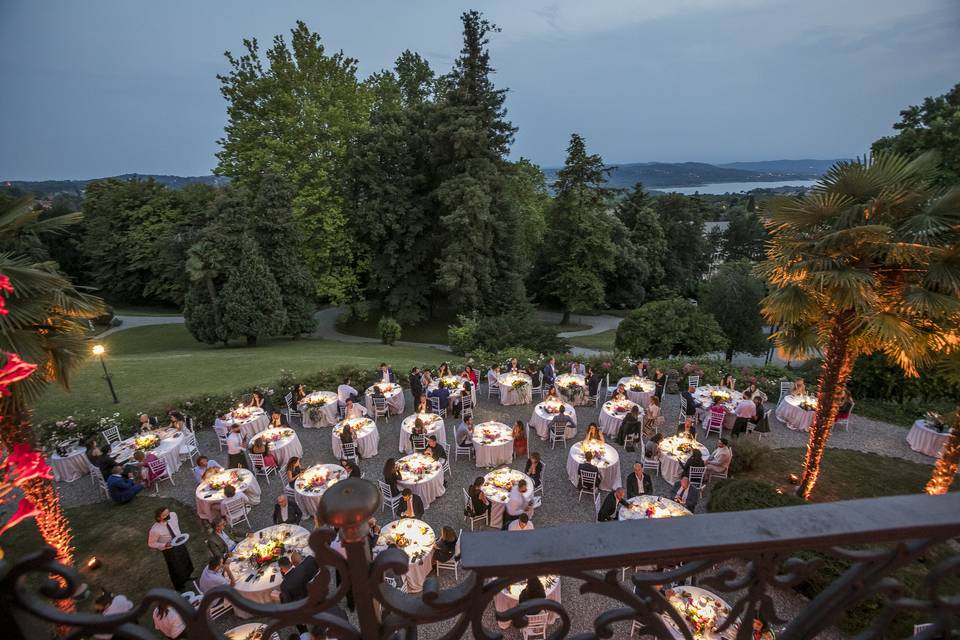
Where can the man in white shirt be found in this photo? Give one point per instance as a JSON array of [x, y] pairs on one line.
[[746, 411], [108, 604], [578, 369], [516, 504], [204, 463], [351, 410], [345, 391], [465, 432], [521, 524], [165, 528], [719, 460], [235, 453], [216, 573]]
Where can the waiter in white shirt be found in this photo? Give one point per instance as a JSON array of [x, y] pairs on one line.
[[345, 391], [521, 524], [162, 533], [517, 503], [235, 454]]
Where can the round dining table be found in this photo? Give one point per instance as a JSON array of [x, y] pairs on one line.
[[612, 414], [924, 438], [509, 597], [365, 436], [705, 605], [605, 458], [519, 394], [209, 493], [319, 409], [423, 476], [71, 466], [251, 421], [432, 426], [497, 485], [544, 413], [572, 387], [674, 453], [704, 396], [493, 444], [647, 506], [415, 538], [454, 384], [282, 442], [639, 389], [313, 482], [792, 413], [249, 631], [392, 392], [253, 561], [169, 441]]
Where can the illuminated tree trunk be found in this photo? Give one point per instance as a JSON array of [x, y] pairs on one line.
[[945, 470], [836, 368]]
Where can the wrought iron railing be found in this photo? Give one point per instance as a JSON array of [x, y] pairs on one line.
[[746, 555]]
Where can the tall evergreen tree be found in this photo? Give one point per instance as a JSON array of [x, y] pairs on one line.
[[641, 251], [681, 219], [480, 233], [527, 190], [250, 304], [579, 248]]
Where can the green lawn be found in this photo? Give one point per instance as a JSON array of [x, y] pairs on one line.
[[157, 365], [124, 309], [600, 341], [117, 536]]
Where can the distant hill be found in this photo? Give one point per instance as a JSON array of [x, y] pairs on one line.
[[49, 187], [691, 174]]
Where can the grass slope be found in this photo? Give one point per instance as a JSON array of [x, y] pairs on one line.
[[598, 341], [160, 364]]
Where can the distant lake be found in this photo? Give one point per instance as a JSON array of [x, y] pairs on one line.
[[735, 187]]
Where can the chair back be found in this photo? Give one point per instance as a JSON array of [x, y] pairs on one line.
[[434, 404], [257, 460], [696, 476], [785, 388], [920, 629], [693, 381], [158, 468], [418, 442], [288, 400], [536, 626], [588, 480], [380, 405], [235, 510], [385, 491], [112, 435], [349, 450], [716, 420]]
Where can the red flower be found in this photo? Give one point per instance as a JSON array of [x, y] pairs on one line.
[[5, 287], [14, 371], [26, 464], [25, 509]]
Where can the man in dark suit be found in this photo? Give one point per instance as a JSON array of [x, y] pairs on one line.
[[416, 384], [630, 424], [297, 572], [638, 483], [686, 494], [550, 373], [410, 505], [442, 394], [386, 373], [691, 402], [287, 512], [587, 465], [611, 506]]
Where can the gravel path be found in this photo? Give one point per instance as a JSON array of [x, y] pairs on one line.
[[560, 505]]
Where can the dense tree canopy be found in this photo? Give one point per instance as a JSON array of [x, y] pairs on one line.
[[669, 327], [732, 295], [688, 253]]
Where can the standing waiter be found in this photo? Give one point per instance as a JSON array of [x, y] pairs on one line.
[[165, 529]]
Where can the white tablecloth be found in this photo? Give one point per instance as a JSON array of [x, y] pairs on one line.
[[793, 415], [243, 631], [420, 539], [454, 385], [609, 465], [495, 451], [259, 583], [393, 393], [540, 419], [309, 498], [497, 485], [509, 395], [696, 592], [428, 485], [432, 425], [70, 467], [661, 508], [282, 442], [576, 394], [611, 417], [366, 436], [168, 450], [510, 597], [672, 459], [256, 422], [209, 499], [641, 397], [324, 415], [924, 439]]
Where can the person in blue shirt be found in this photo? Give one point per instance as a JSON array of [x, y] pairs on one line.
[[121, 489], [549, 373]]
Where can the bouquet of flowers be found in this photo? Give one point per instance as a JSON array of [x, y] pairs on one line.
[[597, 451], [552, 407], [64, 433], [242, 413], [316, 479], [279, 434], [267, 552], [622, 407], [384, 388], [722, 396], [315, 401], [518, 383], [256, 634], [146, 442], [636, 386], [449, 382], [220, 480], [416, 466], [808, 405]]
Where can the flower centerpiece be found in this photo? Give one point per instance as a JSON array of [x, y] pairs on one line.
[[318, 400], [414, 468], [449, 382], [808, 404], [518, 383], [276, 435], [720, 395], [552, 406], [255, 634], [146, 442], [597, 450], [355, 425], [267, 552], [384, 387], [242, 413], [702, 613], [220, 480], [317, 478], [65, 433]]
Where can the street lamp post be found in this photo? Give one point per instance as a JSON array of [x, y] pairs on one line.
[[98, 351]]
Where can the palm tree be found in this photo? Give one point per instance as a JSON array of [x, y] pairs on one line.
[[46, 324], [868, 261]]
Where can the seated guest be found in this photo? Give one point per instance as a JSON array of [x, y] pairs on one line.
[[578, 369], [695, 460], [718, 412], [93, 453], [232, 498], [519, 439], [561, 422], [442, 394], [651, 450], [256, 401], [630, 425], [652, 417], [687, 427], [178, 421], [345, 391], [746, 411], [534, 468], [552, 394], [445, 548], [351, 410], [422, 405], [727, 382], [472, 373], [299, 393], [465, 432], [434, 450], [137, 470], [386, 373], [479, 503], [638, 370], [277, 420], [107, 462], [517, 503], [686, 494], [204, 463], [610, 509], [352, 469], [287, 512], [168, 622], [521, 524], [297, 572], [418, 429], [122, 490], [391, 476], [146, 423], [260, 447], [719, 460], [846, 406], [219, 542], [293, 470], [690, 402], [620, 393], [594, 434], [514, 366], [550, 372], [216, 573], [759, 412], [533, 591], [410, 505], [587, 465], [799, 387], [638, 483]]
